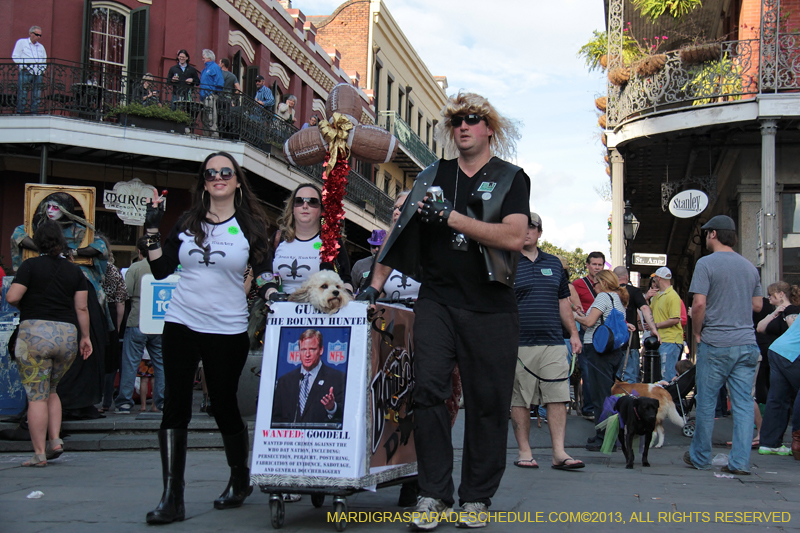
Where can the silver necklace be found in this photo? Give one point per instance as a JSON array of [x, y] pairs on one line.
[[455, 198]]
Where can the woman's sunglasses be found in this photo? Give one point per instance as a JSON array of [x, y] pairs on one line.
[[312, 202], [225, 173], [470, 119]]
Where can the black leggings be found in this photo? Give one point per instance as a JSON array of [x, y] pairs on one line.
[[223, 359]]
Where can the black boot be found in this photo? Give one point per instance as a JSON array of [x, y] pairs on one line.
[[236, 450], [173, 463]]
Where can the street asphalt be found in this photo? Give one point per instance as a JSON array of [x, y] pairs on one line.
[[105, 491]]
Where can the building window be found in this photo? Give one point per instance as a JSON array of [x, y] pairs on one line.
[[389, 93], [419, 124], [107, 45], [387, 181], [376, 84], [400, 95], [790, 224], [428, 133], [410, 113], [435, 122]]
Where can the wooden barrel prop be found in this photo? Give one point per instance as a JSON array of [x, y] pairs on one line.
[[344, 99], [305, 148], [372, 144]]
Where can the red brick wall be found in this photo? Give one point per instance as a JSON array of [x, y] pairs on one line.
[[347, 30]]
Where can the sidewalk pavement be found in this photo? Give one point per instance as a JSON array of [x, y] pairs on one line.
[[113, 490]]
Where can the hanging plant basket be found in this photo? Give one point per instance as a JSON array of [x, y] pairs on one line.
[[601, 103], [603, 61], [606, 159], [651, 65], [699, 53], [603, 139], [619, 76], [602, 121], [608, 170]]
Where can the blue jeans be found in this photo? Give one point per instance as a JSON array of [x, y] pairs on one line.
[[29, 85], [670, 355], [735, 365], [630, 373], [586, 387], [132, 349], [784, 383]]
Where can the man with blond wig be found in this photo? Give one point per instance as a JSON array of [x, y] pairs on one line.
[[464, 248]]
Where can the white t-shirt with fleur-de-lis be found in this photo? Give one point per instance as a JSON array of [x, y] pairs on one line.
[[296, 261], [399, 286]]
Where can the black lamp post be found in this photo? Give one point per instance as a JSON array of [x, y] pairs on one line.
[[630, 226]]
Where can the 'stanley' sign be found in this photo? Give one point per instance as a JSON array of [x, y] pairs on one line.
[[687, 204]]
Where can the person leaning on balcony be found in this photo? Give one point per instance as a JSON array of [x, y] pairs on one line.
[[211, 83], [286, 109], [31, 57], [182, 77], [264, 96], [146, 92]]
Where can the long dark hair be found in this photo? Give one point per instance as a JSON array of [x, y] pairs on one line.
[[49, 238], [252, 219]]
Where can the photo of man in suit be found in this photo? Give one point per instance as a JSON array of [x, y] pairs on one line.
[[313, 393]]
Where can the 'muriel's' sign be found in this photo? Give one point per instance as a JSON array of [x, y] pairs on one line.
[[687, 204]]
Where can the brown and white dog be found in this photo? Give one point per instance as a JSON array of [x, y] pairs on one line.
[[324, 290], [666, 407]]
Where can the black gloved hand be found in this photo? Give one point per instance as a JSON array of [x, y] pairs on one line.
[[431, 210], [370, 294], [278, 297], [153, 215]]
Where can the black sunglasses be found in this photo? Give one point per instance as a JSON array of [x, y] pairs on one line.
[[533, 226], [225, 173], [36, 34], [470, 119], [312, 202]]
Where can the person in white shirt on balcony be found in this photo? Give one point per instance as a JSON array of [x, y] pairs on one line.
[[31, 57]]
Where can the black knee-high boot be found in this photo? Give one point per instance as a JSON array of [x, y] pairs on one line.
[[173, 463], [236, 450]]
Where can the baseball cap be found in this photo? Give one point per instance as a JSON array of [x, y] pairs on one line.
[[664, 273], [259, 78], [378, 235], [720, 222], [536, 219]]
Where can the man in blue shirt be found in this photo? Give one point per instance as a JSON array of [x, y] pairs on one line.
[[264, 96], [211, 83], [542, 374]]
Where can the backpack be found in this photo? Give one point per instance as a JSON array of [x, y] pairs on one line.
[[612, 332], [684, 320]]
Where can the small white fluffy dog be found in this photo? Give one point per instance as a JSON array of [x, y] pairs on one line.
[[324, 290]]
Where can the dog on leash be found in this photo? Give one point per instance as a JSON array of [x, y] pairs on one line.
[[638, 416], [324, 290], [666, 407]]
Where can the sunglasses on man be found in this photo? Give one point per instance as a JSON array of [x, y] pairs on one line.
[[312, 202], [36, 34], [470, 119], [225, 173]]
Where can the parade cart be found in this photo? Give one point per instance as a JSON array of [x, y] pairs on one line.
[[367, 441]]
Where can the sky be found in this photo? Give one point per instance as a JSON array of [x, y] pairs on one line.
[[521, 55]]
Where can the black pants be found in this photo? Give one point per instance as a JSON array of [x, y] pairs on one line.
[[603, 367], [223, 359], [485, 347]]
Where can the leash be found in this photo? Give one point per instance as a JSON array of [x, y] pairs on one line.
[[541, 378], [627, 353]]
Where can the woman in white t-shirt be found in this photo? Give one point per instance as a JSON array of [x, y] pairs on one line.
[[223, 231], [298, 241], [602, 366]]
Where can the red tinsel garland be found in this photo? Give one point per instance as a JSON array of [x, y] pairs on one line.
[[334, 183]]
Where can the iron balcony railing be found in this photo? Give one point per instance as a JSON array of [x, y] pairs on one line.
[[729, 73], [392, 122], [108, 95]]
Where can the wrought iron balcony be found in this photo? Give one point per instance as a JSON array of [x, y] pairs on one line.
[[729, 71], [391, 121], [68, 89]]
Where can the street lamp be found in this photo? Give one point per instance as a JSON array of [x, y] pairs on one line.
[[630, 224]]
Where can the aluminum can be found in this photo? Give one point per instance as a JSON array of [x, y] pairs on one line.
[[436, 193]]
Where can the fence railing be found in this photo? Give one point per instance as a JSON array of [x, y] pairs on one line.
[[392, 122], [729, 72], [106, 95]]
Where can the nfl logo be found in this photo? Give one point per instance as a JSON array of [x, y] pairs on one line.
[[293, 356], [337, 353]]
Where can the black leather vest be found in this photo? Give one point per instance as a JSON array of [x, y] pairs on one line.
[[402, 249]]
